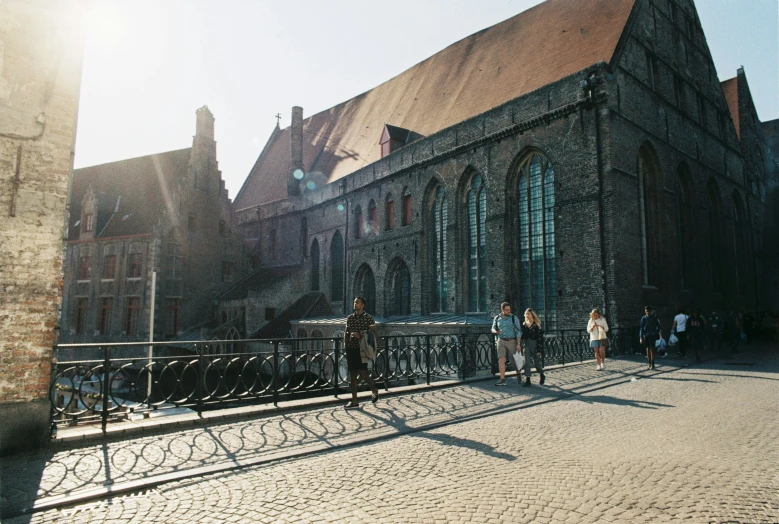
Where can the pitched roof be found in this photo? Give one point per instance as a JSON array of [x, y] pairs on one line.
[[530, 50], [730, 90], [311, 304], [258, 279], [131, 193]]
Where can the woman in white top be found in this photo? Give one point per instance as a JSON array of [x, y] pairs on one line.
[[598, 327]]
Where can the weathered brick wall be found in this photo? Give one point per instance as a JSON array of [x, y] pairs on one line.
[[39, 90]]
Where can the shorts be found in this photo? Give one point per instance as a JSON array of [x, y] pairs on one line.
[[594, 344], [354, 361], [506, 347], [649, 340]]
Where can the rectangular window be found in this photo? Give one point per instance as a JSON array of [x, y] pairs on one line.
[[701, 110], [105, 315], [651, 70], [81, 315], [390, 215], [172, 320], [227, 271], [131, 315], [109, 267], [134, 262], [679, 93], [173, 266], [406, 210], [83, 268], [270, 313], [88, 223]]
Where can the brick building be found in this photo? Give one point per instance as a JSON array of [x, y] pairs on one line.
[[41, 46], [580, 154], [167, 212]]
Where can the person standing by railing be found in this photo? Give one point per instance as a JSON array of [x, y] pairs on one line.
[[507, 330], [598, 327], [357, 326], [649, 332], [697, 328], [533, 336]]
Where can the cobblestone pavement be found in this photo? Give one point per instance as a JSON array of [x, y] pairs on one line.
[[694, 444]]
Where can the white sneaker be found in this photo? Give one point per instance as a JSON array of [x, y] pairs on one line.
[[603, 367], [598, 368]]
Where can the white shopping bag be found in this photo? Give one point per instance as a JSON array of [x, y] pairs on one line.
[[519, 360]]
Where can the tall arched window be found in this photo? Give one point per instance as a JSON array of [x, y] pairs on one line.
[[389, 212], [476, 200], [739, 243], [372, 217], [314, 253], [537, 260], [337, 268], [715, 235], [398, 286], [440, 220], [648, 175], [406, 211], [358, 225], [365, 286], [684, 217]]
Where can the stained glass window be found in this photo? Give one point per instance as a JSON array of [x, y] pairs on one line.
[[477, 243], [440, 219]]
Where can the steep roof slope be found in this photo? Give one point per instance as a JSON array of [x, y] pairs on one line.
[[131, 193], [530, 50]]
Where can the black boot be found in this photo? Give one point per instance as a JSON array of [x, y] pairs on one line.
[[527, 383], [543, 378]]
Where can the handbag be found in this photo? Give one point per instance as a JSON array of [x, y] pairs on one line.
[[519, 360], [604, 342]]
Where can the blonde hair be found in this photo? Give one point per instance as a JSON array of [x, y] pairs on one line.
[[595, 311], [536, 320]]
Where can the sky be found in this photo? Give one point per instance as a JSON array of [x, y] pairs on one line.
[[148, 65]]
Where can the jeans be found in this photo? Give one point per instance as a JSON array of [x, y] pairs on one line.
[[531, 351]]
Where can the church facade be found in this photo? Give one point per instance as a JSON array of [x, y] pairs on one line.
[[582, 154]]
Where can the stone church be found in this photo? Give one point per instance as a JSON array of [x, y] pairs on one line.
[[167, 213], [581, 154]]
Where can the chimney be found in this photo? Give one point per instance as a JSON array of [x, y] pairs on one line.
[[295, 152], [205, 123]]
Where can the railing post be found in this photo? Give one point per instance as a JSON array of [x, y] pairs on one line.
[[386, 363], [106, 380], [562, 347], [427, 357], [336, 365], [201, 377], [276, 373]]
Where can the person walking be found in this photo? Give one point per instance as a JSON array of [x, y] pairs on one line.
[[696, 326], [733, 330], [355, 339], [680, 329], [598, 327], [649, 332], [507, 330], [533, 336], [716, 332]]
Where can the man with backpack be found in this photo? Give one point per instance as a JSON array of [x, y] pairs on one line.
[[507, 330], [649, 332]]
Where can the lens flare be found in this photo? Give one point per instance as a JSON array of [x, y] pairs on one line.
[[298, 174], [310, 185]]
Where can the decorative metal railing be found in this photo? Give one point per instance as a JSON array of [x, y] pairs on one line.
[[206, 375]]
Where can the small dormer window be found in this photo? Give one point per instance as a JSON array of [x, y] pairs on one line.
[[393, 138]]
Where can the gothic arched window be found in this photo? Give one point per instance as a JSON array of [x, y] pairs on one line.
[[365, 286], [372, 217], [358, 224], [398, 286], [715, 235], [337, 268], [684, 216], [739, 243], [440, 220], [648, 176], [476, 202], [537, 261]]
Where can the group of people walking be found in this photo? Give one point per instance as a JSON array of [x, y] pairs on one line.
[[524, 340]]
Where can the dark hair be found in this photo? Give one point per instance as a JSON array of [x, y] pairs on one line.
[[361, 299], [504, 304], [648, 308]]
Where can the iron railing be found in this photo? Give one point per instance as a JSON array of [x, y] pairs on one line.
[[206, 375]]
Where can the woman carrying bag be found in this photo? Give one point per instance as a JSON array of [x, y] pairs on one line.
[[598, 327], [533, 342]]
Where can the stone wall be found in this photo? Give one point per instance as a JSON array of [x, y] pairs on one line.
[[40, 74]]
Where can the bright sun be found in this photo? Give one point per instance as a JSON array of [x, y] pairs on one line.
[[104, 24]]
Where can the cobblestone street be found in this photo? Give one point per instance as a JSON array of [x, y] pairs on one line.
[[694, 444]]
